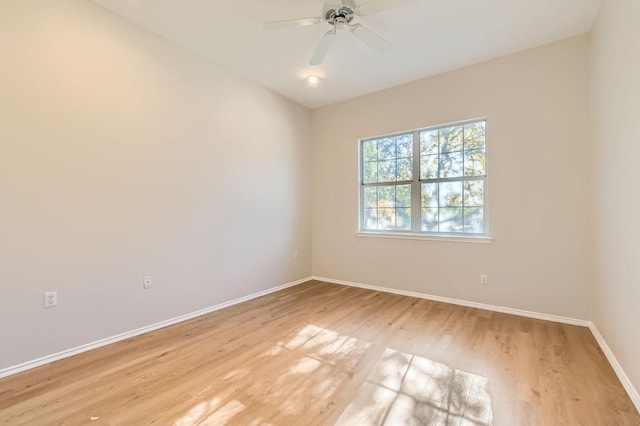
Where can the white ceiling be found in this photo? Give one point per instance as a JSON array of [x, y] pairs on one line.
[[429, 36]]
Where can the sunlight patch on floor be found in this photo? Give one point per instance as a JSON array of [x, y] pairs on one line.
[[303, 336], [302, 366], [408, 389], [211, 413], [401, 388], [198, 412], [275, 350]]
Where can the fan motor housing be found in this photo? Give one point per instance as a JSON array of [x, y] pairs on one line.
[[340, 13]]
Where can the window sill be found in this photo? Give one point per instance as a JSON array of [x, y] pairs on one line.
[[480, 239]]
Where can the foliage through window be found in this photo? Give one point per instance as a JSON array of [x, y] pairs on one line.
[[425, 181]]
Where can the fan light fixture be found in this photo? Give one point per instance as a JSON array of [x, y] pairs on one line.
[[312, 80]]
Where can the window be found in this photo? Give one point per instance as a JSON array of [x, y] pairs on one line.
[[428, 181]]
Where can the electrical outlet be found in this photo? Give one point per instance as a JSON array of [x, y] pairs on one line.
[[484, 279], [50, 299], [295, 254], [146, 281]]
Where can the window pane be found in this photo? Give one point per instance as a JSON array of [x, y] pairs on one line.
[[386, 196], [403, 196], [429, 167], [386, 219], [474, 163], [451, 164], [451, 194], [387, 159], [429, 195], [451, 220], [474, 193], [405, 146], [429, 220], [369, 151], [370, 197], [387, 171], [474, 135], [370, 219], [429, 142], [404, 169], [451, 139], [386, 149], [370, 172], [473, 220], [403, 219]]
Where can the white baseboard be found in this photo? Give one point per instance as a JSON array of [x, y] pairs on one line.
[[113, 339], [519, 312], [624, 379], [622, 376]]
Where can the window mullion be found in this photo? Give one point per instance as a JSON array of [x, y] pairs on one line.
[[361, 208], [416, 210]]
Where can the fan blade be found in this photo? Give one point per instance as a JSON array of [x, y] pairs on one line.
[[323, 47], [288, 23], [370, 38], [377, 6]]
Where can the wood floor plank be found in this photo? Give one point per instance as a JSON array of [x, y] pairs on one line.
[[320, 353]]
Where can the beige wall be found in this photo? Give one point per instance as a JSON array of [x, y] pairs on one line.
[[616, 151], [536, 103], [122, 155]]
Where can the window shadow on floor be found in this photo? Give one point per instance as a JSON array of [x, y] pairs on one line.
[[397, 388]]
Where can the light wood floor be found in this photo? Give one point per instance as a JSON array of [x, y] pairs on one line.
[[324, 354]]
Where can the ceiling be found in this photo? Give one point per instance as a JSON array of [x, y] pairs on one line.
[[429, 36]]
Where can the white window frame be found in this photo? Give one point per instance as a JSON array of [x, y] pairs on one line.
[[416, 211]]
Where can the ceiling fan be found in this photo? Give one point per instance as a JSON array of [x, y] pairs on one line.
[[340, 14]]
